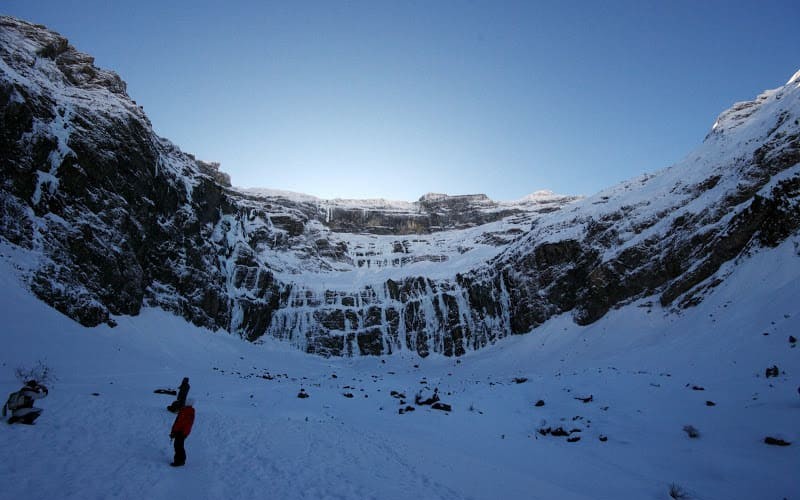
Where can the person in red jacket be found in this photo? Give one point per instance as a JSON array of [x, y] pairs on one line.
[[181, 430]]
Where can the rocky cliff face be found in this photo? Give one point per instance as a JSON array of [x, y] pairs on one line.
[[115, 218]]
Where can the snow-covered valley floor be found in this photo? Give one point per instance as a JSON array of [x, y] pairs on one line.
[[254, 438]]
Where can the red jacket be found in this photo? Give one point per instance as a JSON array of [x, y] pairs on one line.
[[184, 420]]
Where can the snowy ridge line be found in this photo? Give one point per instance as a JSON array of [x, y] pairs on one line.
[[541, 196]]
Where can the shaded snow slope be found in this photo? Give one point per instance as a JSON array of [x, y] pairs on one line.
[[253, 436]]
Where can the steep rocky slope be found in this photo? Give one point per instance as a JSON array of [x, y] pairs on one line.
[[116, 218]]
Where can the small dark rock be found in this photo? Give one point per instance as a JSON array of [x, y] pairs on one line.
[[302, 394], [773, 371], [348, 394], [792, 339], [586, 400], [441, 406], [698, 388], [776, 442], [603, 438], [691, 431], [95, 394], [520, 380], [539, 403], [166, 391], [573, 439], [711, 403]]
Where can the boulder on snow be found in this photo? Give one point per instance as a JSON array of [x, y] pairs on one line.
[[776, 441], [421, 400], [691, 431], [441, 406], [302, 394], [772, 371], [539, 403]]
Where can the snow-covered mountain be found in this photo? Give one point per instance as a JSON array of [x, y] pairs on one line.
[[114, 218]]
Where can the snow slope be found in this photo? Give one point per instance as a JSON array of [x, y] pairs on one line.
[[254, 438]]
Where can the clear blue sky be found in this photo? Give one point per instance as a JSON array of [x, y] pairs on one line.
[[396, 99]]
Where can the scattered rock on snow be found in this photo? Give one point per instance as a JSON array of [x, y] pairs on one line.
[[558, 431]]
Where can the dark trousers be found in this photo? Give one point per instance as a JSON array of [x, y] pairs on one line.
[[180, 453]]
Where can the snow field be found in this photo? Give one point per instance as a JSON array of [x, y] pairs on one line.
[[253, 438]]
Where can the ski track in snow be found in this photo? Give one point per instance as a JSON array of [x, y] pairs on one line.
[[253, 438]]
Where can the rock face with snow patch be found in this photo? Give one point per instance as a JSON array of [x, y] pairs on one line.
[[116, 218]]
